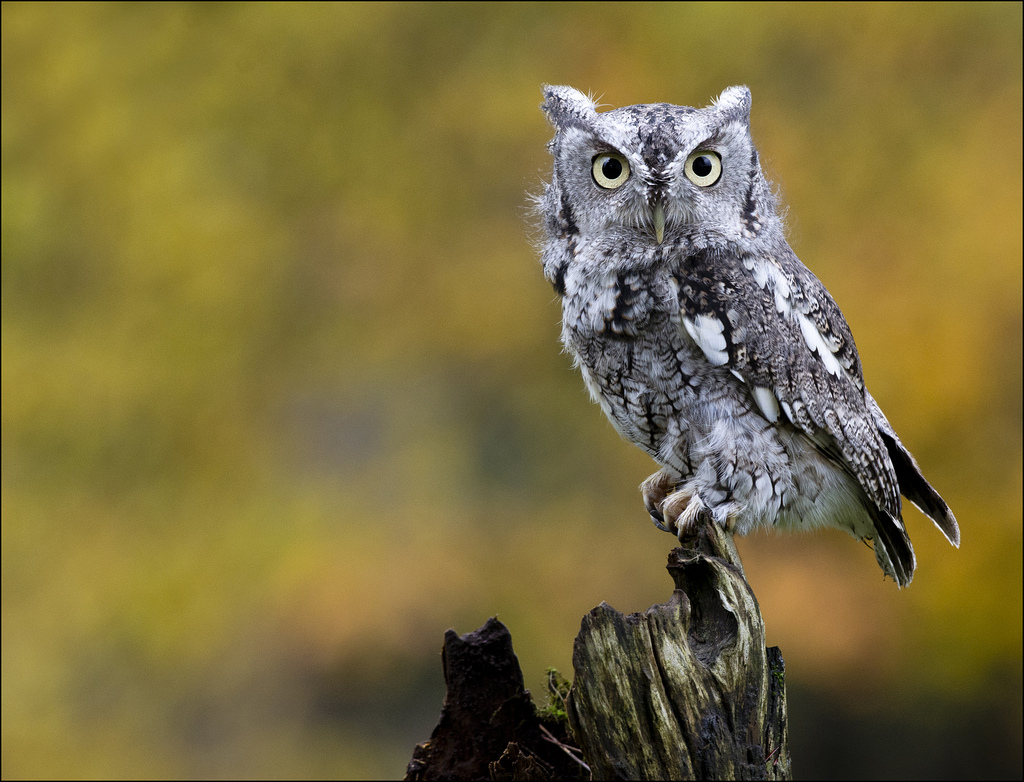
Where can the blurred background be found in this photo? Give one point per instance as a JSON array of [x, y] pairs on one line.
[[283, 398]]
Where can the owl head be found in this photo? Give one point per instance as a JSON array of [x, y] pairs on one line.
[[655, 173]]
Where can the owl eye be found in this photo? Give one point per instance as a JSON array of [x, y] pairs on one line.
[[703, 167], [610, 170]]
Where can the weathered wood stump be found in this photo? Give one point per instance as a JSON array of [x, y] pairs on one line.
[[687, 689], [684, 690]]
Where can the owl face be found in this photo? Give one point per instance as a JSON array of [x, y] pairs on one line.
[[652, 172]]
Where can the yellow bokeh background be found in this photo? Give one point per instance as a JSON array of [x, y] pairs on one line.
[[283, 399]]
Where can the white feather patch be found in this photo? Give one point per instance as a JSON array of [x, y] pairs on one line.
[[781, 283], [817, 344], [781, 303], [761, 274], [765, 271], [780, 286], [709, 334], [767, 403]]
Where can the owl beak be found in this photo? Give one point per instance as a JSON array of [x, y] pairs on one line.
[[659, 221]]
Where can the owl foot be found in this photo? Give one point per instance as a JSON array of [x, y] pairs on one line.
[[685, 513], [674, 508], [655, 489]]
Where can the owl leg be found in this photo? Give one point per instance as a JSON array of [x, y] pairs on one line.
[[655, 489]]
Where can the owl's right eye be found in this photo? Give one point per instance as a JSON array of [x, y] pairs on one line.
[[610, 170]]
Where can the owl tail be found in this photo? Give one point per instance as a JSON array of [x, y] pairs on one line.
[[912, 483], [892, 548], [915, 488]]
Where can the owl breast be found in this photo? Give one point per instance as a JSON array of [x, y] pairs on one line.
[[623, 329]]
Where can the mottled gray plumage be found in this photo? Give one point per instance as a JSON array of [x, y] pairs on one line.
[[704, 338]]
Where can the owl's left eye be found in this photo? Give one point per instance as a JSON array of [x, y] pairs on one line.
[[703, 167], [610, 170]]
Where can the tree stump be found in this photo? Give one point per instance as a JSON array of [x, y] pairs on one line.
[[489, 728], [685, 690]]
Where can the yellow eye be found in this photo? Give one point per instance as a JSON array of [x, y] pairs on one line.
[[703, 167], [610, 170]]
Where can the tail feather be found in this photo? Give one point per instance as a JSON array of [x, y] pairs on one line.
[[892, 548], [915, 488], [912, 483]]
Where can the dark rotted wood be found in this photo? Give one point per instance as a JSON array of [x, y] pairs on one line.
[[489, 728], [687, 689]]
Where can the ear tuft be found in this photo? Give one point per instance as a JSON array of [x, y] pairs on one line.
[[735, 103], [565, 106]]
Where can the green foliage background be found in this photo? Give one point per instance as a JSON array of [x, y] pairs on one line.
[[282, 396]]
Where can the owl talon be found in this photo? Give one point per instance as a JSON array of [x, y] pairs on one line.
[[655, 489], [658, 519], [685, 513], [673, 509], [693, 518]]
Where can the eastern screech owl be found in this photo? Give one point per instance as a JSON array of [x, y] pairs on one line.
[[704, 338]]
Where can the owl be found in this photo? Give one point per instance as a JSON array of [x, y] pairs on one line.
[[704, 338]]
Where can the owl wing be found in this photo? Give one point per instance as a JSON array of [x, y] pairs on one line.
[[772, 323]]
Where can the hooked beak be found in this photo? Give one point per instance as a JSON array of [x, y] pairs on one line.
[[658, 219]]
